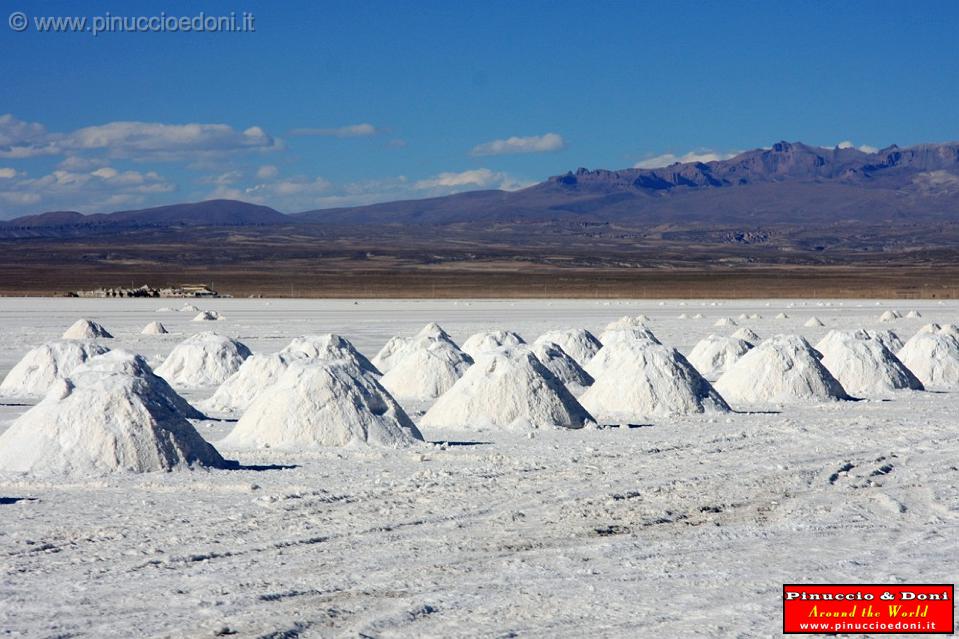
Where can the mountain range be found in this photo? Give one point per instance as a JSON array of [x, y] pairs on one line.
[[790, 184]]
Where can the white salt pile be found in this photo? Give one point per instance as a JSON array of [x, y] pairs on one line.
[[683, 316], [617, 335], [562, 366], [626, 322], [154, 328], [429, 367], [813, 322], [782, 369], [86, 329], [914, 314], [109, 416], [713, 355], [205, 359], [747, 334], [725, 321], [950, 329], [42, 366], [864, 366], [934, 358], [743, 316], [508, 388], [932, 327], [887, 338], [316, 404], [699, 316], [755, 316], [490, 341], [188, 308], [889, 316], [330, 347], [207, 316], [578, 343], [395, 348], [256, 373], [164, 309], [645, 379], [782, 316]]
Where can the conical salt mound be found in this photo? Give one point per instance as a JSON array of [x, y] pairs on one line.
[[490, 341], [578, 343], [746, 334], [429, 367], [699, 316], [205, 359], [863, 365], [330, 347], [626, 322], [207, 316], [392, 352], [683, 316], [646, 379], [562, 366], [108, 416], [41, 367], [396, 348], [743, 316], [725, 321], [783, 369], [813, 322], [86, 329], [615, 342], [889, 316], [619, 335], [782, 316], [934, 358], [256, 373], [506, 389], [913, 314], [188, 308], [713, 355], [950, 329], [887, 338], [317, 404], [154, 328], [755, 316], [932, 327]]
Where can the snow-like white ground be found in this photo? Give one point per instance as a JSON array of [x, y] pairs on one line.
[[680, 528]]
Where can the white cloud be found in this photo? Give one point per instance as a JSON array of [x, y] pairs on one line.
[[865, 148], [349, 131], [101, 190], [267, 172], [136, 140], [7, 173], [474, 178], [700, 155], [531, 144]]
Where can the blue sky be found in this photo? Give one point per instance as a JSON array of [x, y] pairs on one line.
[[330, 104]]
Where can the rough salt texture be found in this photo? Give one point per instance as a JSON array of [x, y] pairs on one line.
[[486, 341], [578, 343], [317, 404], [205, 359], [643, 379], [933, 358], [714, 354], [109, 416], [507, 388], [86, 329], [782, 369], [330, 347], [562, 366], [863, 365], [154, 328], [42, 366]]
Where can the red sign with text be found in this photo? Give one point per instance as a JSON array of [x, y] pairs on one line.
[[868, 609]]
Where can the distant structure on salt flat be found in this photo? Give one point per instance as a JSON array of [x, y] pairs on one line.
[[183, 290]]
